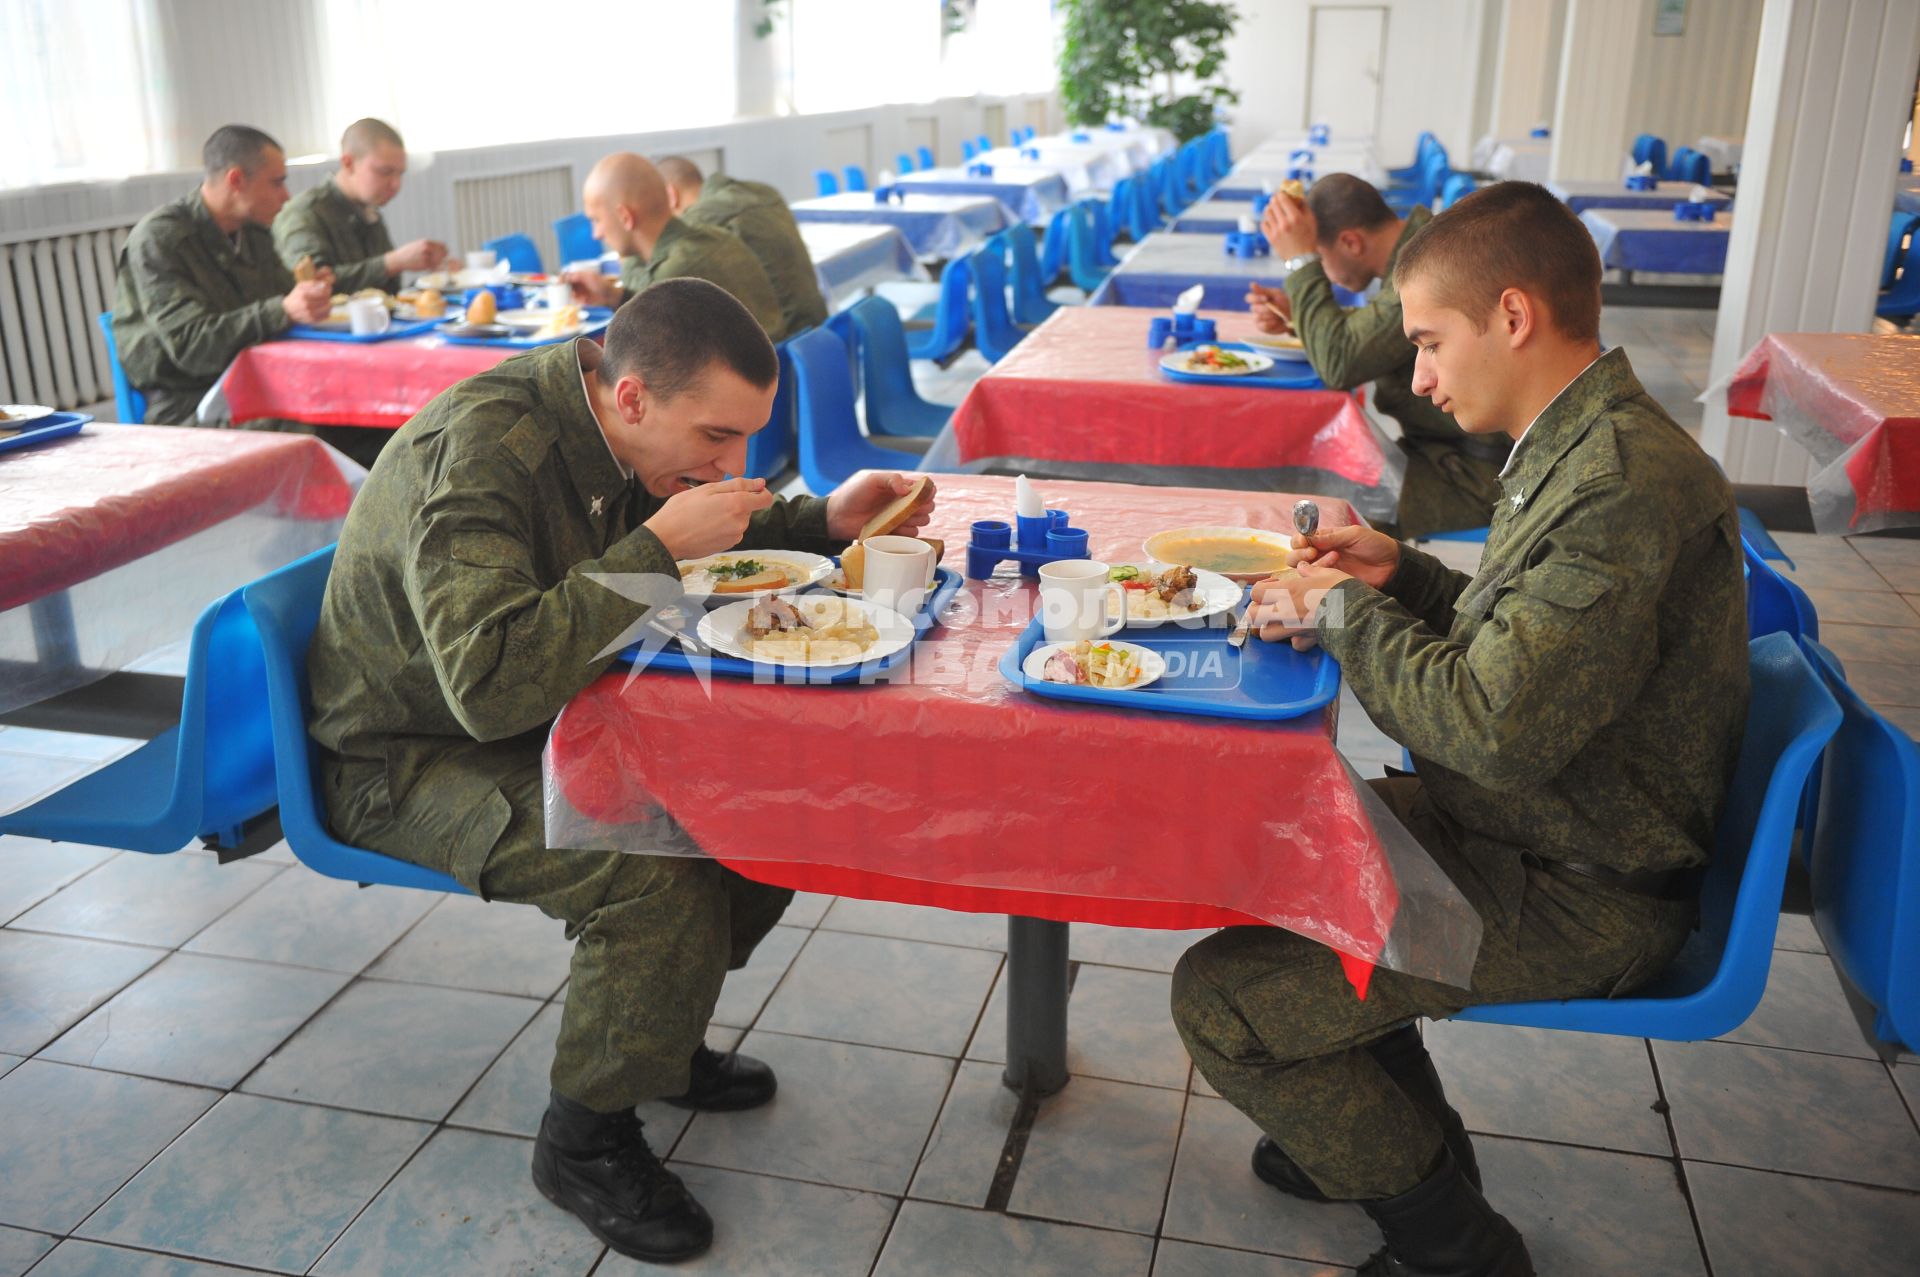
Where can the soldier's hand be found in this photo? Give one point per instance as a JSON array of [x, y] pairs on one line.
[[1290, 226], [311, 302], [1285, 605], [1369, 555], [852, 504], [594, 287], [710, 518], [421, 254], [1272, 308]]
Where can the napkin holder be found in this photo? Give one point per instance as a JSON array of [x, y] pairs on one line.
[[1541, 131], [1692, 211], [1642, 182], [1301, 157], [1041, 539], [1114, 126], [978, 169], [1248, 244], [1030, 153], [1906, 165], [1320, 134], [1260, 204], [1182, 328]]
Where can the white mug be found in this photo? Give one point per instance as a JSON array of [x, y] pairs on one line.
[[898, 572], [482, 259], [558, 294], [368, 317], [1075, 595]]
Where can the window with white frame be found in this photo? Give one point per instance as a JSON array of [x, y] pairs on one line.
[[849, 54], [999, 47], [78, 91]]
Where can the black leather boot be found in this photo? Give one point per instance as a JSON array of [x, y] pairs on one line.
[[1404, 1056], [1443, 1227], [598, 1166], [726, 1083]]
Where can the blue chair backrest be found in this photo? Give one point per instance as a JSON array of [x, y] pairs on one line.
[[1865, 858], [129, 403], [856, 177], [903, 163], [1030, 304], [285, 607], [1775, 605], [1104, 229], [574, 232], [1083, 258], [518, 252], [893, 405], [831, 445], [950, 322], [1903, 298], [1457, 187], [983, 144], [1053, 245], [825, 182], [967, 149], [1688, 165], [926, 156], [1717, 980], [1903, 226], [770, 448], [1649, 149], [994, 332]]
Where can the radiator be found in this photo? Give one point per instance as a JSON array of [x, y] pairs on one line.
[[52, 287], [527, 202]]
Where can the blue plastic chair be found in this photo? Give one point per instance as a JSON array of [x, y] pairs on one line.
[[1865, 858], [982, 144], [1410, 172], [1458, 534], [518, 252], [1083, 258], [205, 778], [831, 445], [1688, 165], [1420, 177], [1030, 304], [1053, 246], [925, 153], [825, 182], [1457, 187], [1166, 185], [1104, 230], [1776, 605], [903, 164], [948, 332], [128, 403], [1903, 226], [967, 149], [856, 177], [1902, 300], [1649, 149], [1433, 180], [285, 607], [575, 235], [770, 448], [894, 407], [994, 332], [1717, 979]]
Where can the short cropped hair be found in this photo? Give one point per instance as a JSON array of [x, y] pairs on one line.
[[1343, 202], [672, 332], [235, 146], [363, 135], [678, 170], [1509, 235]]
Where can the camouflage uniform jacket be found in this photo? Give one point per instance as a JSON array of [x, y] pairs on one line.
[[1583, 696], [460, 607], [187, 299], [329, 226], [702, 252], [760, 217]]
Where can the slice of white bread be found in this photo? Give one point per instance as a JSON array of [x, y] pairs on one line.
[[770, 579], [899, 510]]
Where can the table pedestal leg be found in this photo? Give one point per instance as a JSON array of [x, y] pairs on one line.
[[1036, 1006]]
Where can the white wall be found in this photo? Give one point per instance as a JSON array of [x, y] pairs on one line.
[[1430, 81], [1696, 85]]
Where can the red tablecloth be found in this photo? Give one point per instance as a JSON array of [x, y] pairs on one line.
[[950, 787], [1084, 387], [1853, 401], [338, 383]]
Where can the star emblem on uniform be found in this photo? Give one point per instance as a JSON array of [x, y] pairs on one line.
[[1518, 498], [597, 506]]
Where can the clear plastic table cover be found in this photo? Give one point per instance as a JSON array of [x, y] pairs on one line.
[[949, 775], [1651, 239], [1215, 216], [1852, 400], [936, 225], [112, 542], [333, 383], [848, 259], [1033, 193]]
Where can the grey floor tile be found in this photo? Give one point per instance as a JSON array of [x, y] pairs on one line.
[[1884, 643], [156, 900], [930, 1240], [1216, 1199], [1884, 683], [368, 1050], [964, 1154], [465, 1204], [1789, 1111], [1131, 946], [1577, 1088], [90, 1259], [1796, 932], [1759, 1224], [1118, 1028], [765, 1227], [8, 1063], [308, 920], [54, 981], [194, 1019], [807, 909], [281, 854], [1862, 607], [258, 1182], [916, 922], [469, 943], [20, 1250], [1100, 1153], [1184, 1259], [1588, 1213], [75, 1135], [1906, 1076], [892, 993], [745, 993], [1887, 550], [35, 870], [1852, 573], [851, 1116], [1804, 1008], [1904, 717]]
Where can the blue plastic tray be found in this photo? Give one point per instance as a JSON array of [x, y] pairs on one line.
[[57, 426], [1284, 375], [946, 583], [1205, 675], [406, 328], [598, 317]]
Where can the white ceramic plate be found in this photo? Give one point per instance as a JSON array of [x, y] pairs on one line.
[[1177, 362], [1152, 665], [19, 414], [724, 630], [1215, 592], [1160, 547], [802, 570], [1280, 346]]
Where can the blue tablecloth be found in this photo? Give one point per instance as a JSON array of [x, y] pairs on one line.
[[1215, 216], [1164, 265], [1581, 196], [936, 225], [849, 258], [1034, 194], [1649, 239]]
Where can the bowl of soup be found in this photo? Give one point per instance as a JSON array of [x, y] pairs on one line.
[[1245, 554]]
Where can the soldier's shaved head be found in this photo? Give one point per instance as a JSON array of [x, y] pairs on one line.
[[684, 176], [626, 201], [363, 136], [238, 146]]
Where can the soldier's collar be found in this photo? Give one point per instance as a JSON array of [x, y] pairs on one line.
[[1564, 422], [367, 213], [672, 231], [583, 445]]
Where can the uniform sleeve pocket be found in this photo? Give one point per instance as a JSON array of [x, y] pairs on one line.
[[1526, 638], [1568, 585]]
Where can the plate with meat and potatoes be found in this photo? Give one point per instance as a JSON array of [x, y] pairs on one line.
[[810, 631], [751, 574], [1156, 593]]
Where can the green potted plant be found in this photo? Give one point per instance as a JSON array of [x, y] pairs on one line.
[[1160, 61]]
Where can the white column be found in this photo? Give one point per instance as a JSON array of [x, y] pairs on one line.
[[1525, 65], [1593, 125], [1830, 90], [762, 78]]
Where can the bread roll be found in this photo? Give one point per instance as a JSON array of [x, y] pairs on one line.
[[482, 309], [1294, 188], [304, 271], [430, 304]]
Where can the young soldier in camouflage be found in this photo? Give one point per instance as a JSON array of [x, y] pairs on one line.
[[462, 615], [1574, 710], [338, 222], [759, 216], [1345, 234]]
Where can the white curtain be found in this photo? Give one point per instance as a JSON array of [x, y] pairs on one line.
[[81, 85]]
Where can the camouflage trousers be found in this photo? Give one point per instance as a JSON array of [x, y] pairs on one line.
[[653, 936], [1272, 1023], [1444, 490]]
